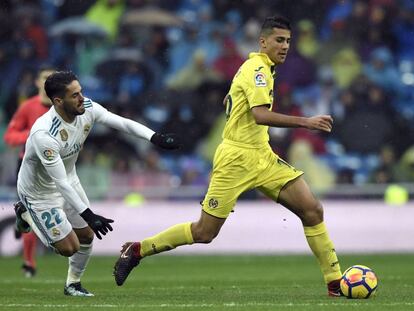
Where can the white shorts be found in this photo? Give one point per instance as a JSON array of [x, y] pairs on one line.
[[52, 219]]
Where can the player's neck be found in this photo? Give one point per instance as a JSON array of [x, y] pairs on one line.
[[68, 118]]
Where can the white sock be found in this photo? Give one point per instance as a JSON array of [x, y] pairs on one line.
[[78, 262]]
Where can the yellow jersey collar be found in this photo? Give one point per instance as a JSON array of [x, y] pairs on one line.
[[264, 56]]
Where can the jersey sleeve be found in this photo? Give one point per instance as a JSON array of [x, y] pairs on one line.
[[17, 131], [103, 116], [47, 150], [257, 87]]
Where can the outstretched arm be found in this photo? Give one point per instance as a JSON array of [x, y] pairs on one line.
[[165, 141], [263, 116]]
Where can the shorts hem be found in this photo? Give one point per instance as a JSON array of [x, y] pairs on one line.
[[300, 173]]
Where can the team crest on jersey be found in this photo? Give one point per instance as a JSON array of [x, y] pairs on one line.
[[260, 79], [55, 232], [86, 128], [48, 154], [63, 135], [212, 203]]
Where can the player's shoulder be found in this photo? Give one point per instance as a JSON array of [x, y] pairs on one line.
[[48, 122], [255, 63], [88, 103]]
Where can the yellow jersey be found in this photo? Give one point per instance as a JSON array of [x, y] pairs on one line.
[[252, 86]]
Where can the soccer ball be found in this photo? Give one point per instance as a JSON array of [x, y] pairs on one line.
[[359, 282]]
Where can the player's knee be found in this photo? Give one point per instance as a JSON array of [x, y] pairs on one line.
[[87, 238], [68, 250], [313, 214], [203, 236]]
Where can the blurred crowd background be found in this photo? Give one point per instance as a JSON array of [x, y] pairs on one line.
[[169, 64]]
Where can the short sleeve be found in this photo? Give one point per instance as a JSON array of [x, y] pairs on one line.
[[257, 87], [46, 148]]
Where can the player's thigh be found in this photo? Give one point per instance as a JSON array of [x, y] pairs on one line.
[[233, 173], [275, 175], [73, 216], [68, 246], [47, 218]]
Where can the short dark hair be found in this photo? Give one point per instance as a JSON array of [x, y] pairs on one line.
[[276, 21], [56, 83]]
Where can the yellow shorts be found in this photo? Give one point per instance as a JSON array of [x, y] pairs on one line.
[[237, 169]]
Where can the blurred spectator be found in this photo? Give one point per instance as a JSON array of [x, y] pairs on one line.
[[228, 62], [131, 84], [386, 171], [346, 66], [358, 21], [33, 32], [193, 75], [107, 13], [297, 71], [307, 42], [337, 41], [248, 41], [367, 123], [182, 49], [405, 167], [403, 29], [382, 71], [337, 13], [319, 176]]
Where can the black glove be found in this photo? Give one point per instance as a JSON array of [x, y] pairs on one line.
[[166, 141], [97, 223]]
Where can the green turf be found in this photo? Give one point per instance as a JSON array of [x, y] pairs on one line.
[[205, 283]]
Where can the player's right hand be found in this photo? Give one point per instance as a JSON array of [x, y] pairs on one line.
[[166, 141], [322, 123], [99, 224]]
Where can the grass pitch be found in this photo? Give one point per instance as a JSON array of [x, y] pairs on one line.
[[168, 282]]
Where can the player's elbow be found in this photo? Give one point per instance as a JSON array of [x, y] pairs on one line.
[[260, 115], [260, 119]]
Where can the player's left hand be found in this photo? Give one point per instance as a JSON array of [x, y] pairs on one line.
[[166, 141], [322, 123]]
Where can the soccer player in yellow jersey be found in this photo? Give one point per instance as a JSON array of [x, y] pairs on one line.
[[244, 160]]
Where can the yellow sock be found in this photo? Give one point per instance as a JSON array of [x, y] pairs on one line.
[[168, 239], [324, 250]]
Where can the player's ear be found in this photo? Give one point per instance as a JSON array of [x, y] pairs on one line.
[[262, 41], [57, 101]]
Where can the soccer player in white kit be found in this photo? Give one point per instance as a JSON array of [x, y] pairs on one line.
[[53, 202]]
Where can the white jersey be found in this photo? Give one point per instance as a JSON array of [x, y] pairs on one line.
[[53, 147]]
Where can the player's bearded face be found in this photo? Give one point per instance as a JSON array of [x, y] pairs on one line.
[[73, 100], [276, 45]]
